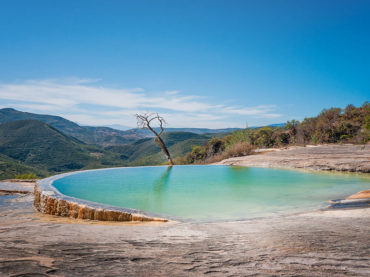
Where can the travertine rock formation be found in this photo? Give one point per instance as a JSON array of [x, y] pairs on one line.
[[48, 203]]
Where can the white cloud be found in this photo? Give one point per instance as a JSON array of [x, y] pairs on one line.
[[258, 111], [84, 101], [173, 92]]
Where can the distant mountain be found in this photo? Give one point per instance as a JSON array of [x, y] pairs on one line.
[[277, 125], [118, 127], [200, 130], [38, 145], [90, 135], [9, 115], [104, 136], [271, 125], [45, 144]]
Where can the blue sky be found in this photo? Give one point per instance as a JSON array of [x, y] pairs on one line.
[[199, 63]]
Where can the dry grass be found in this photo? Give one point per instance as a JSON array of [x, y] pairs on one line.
[[236, 150]]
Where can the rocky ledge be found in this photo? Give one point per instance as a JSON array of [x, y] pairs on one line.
[[345, 157], [50, 201]]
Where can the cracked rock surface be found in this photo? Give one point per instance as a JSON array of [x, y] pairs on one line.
[[325, 243], [348, 157], [318, 243]]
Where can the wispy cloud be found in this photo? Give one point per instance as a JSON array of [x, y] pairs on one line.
[[262, 111], [88, 103]]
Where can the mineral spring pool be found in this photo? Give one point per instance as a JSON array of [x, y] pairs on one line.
[[211, 193]]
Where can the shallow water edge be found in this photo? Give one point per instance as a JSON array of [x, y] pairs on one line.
[[49, 200]]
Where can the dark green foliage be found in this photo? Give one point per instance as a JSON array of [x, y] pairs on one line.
[[26, 176], [330, 126], [336, 125], [263, 137], [9, 168], [32, 142]]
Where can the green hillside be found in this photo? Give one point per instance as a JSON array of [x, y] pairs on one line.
[[38, 145], [10, 168], [31, 146]]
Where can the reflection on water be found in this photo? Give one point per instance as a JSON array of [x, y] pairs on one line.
[[211, 192], [161, 184], [241, 169], [159, 187]]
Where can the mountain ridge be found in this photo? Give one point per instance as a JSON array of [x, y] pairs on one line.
[[103, 136], [39, 145], [32, 146]]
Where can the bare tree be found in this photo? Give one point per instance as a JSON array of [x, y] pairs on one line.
[[144, 121]]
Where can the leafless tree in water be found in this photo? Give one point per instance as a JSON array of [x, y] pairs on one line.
[[144, 121]]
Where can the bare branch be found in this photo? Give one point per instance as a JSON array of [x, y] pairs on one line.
[[144, 120], [161, 122]]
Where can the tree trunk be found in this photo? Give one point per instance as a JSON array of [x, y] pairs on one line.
[[161, 144], [144, 122]]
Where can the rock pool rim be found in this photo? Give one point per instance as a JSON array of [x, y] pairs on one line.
[[49, 200]]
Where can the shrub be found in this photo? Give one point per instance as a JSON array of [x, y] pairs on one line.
[[215, 145], [180, 160], [199, 153], [282, 137], [333, 125], [26, 176], [263, 137], [238, 149]]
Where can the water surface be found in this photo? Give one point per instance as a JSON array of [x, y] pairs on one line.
[[209, 193]]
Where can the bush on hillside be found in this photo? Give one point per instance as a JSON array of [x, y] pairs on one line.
[[335, 125], [26, 176]]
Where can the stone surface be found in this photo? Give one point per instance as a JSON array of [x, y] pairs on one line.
[[326, 243], [352, 158], [9, 187], [319, 243], [53, 203]]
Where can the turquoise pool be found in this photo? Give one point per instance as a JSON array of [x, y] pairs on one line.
[[209, 193]]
